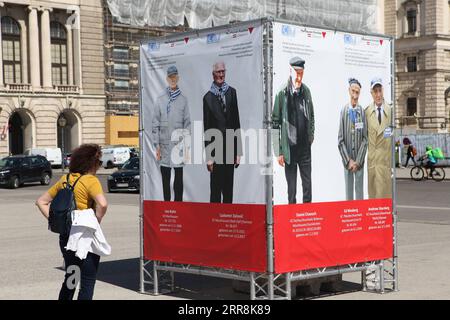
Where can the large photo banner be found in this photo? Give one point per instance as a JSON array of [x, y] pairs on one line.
[[202, 112], [332, 115]]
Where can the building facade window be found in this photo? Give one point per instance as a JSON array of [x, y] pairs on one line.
[[122, 84], [411, 17], [411, 64], [120, 53], [11, 50], [58, 37], [121, 70], [411, 107]]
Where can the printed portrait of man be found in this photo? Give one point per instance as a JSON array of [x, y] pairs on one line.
[[221, 112], [352, 142], [293, 124], [171, 116], [379, 158]]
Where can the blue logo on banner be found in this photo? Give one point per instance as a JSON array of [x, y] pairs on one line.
[[287, 30], [349, 39], [153, 46], [212, 38]]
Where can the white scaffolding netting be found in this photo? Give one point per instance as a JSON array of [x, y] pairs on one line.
[[360, 15]]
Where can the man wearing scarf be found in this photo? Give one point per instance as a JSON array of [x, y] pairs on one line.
[[293, 134], [352, 143], [221, 112], [171, 114]]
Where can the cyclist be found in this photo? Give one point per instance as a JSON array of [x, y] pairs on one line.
[[432, 161]]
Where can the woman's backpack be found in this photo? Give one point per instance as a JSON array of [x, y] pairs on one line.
[[61, 207]]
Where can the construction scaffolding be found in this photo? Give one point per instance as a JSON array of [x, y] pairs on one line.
[[362, 15], [121, 53]]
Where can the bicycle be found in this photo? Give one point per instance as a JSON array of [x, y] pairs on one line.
[[419, 172]]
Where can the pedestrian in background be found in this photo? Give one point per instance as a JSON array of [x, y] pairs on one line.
[[410, 154], [88, 193]]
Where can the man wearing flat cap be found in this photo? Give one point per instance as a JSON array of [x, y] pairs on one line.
[[221, 114], [379, 158], [171, 116], [293, 124], [352, 142]]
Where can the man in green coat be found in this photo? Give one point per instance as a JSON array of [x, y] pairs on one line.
[[293, 124]]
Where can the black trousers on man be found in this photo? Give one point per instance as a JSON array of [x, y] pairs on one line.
[[166, 173], [301, 157], [221, 183]]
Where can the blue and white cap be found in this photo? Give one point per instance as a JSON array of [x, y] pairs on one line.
[[172, 70], [376, 81]]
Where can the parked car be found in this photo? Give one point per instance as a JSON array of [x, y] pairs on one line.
[[20, 169], [53, 155], [127, 178], [115, 157]]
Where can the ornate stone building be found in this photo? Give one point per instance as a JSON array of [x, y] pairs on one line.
[[422, 56], [51, 74]]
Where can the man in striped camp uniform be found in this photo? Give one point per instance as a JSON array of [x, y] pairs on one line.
[[352, 143], [171, 116]]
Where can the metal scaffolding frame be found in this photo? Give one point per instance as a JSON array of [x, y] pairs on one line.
[[157, 277]]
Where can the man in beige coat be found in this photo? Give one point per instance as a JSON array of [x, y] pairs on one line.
[[379, 159]]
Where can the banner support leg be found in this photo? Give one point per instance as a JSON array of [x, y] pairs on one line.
[[288, 286], [382, 277], [172, 281], [363, 281], [155, 278], [252, 286]]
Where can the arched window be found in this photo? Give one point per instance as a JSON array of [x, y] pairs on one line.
[[11, 50], [58, 37]]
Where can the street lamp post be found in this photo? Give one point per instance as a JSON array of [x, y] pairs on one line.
[[62, 122]]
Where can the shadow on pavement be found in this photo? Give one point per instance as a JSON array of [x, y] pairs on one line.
[[344, 287], [121, 273], [125, 274]]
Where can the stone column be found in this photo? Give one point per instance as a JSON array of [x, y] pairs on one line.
[[2, 82], [418, 20], [34, 48], [69, 54], [46, 49], [24, 50], [77, 50]]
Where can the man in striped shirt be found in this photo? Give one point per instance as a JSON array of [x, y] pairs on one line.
[[352, 143]]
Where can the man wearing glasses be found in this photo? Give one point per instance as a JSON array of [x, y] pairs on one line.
[[221, 117]]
